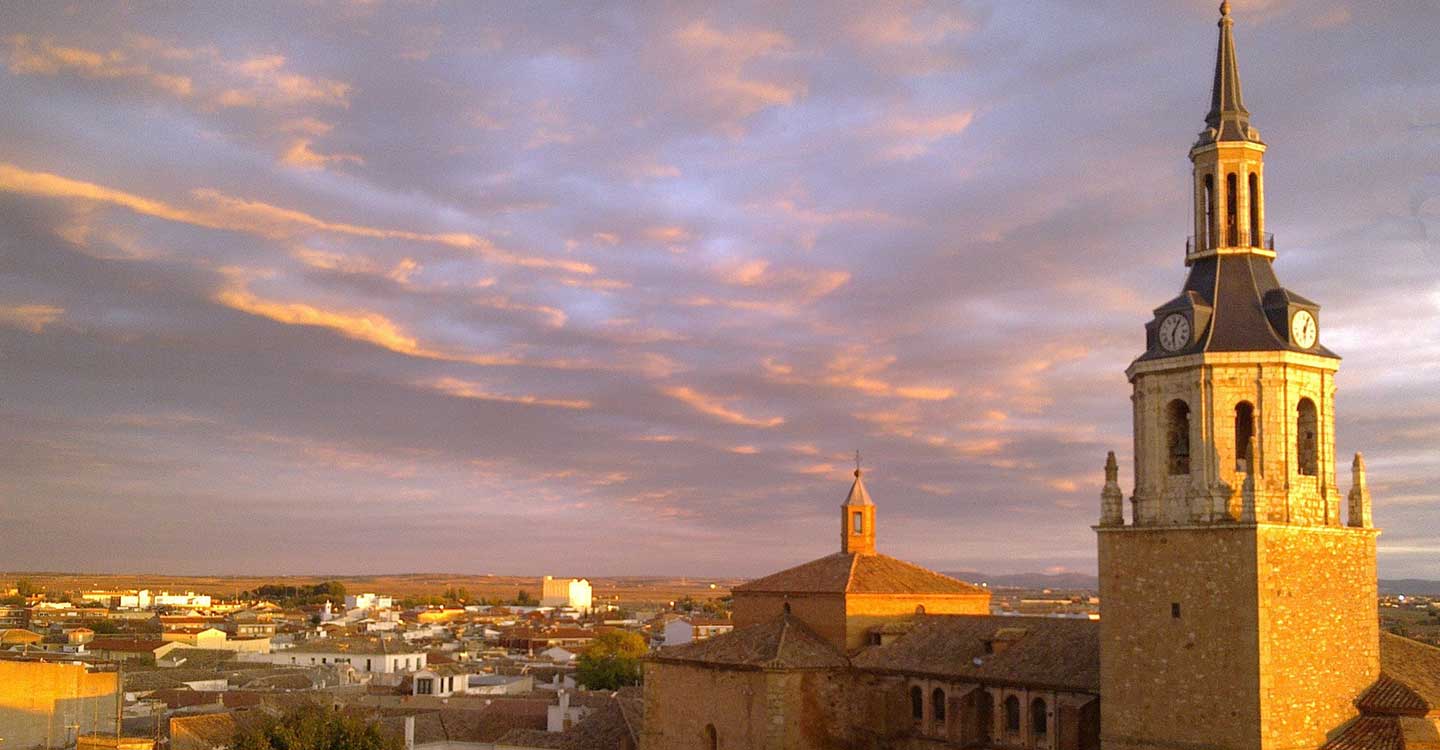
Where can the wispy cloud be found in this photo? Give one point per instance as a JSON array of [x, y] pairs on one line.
[[716, 407], [32, 318], [471, 390], [216, 210]]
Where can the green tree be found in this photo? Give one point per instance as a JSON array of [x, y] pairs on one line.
[[612, 661], [315, 727], [24, 587], [523, 598]]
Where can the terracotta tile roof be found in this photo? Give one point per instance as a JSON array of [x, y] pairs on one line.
[[1038, 651], [532, 738], [211, 731], [1392, 697], [858, 574], [782, 643], [1369, 733], [126, 645], [356, 646], [632, 707], [19, 635], [602, 729], [484, 724], [1415, 665]]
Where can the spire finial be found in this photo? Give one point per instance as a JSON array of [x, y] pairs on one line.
[[1112, 468], [1228, 117], [858, 472]]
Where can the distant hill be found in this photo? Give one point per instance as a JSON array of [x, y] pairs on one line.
[[1072, 581], [1410, 586]]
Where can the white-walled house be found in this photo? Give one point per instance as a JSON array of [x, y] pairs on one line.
[[441, 681], [691, 629], [368, 601], [558, 655], [372, 655]]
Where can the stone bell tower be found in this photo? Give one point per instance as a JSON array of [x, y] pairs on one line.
[[1237, 610], [857, 520]]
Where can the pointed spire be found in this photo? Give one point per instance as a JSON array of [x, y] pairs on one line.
[[1112, 498], [1359, 516], [857, 518], [1228, 119], [858, 495]]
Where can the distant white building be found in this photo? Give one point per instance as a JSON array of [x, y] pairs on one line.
[[691, 629], [565, 592], [187, 599], [368, 601], [388, 656]]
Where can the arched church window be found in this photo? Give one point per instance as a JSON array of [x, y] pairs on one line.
[[1039, 722], [937, 707], [1232, 207], [1255, 238], [917, 704], [1207, 237], [1177, 439], [712, 738], [1307, 438], [1244, 430], [919, 609], [1012, 714], [857, 522], [786, 607]]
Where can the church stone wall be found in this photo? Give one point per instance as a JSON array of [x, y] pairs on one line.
[[768, 709], [824, 613], [681, 700], [1186, 681], [865, 611], [1276, 636], [1319, 632]]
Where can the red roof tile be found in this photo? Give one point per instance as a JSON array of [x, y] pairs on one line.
[[859, 574], [782, 643]]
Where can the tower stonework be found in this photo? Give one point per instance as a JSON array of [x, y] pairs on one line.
[[1238, 606]]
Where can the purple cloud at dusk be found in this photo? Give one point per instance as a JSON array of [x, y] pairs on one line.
[[619, 288]]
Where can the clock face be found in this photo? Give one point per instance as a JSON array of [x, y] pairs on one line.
[[1175, 332], [1303, 329]]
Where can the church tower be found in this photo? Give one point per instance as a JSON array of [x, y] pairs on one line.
[[857, 520], [1238, 607]]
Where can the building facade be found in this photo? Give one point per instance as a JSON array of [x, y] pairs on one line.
[[48, 704], [575, 593]]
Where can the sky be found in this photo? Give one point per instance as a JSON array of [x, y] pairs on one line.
[[620, 288]]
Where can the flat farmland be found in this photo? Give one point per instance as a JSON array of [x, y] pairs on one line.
[[627, 591]]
